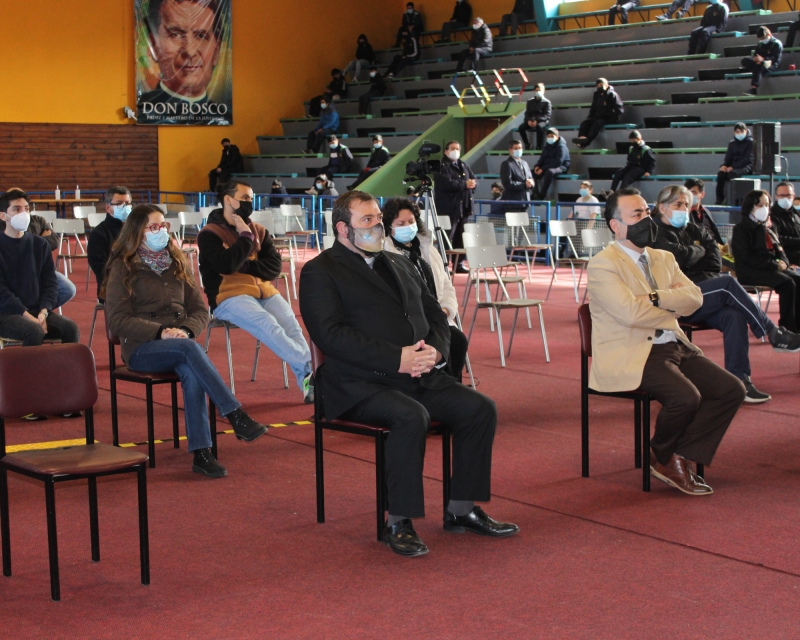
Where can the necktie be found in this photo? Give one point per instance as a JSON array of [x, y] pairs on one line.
[[651, 281]]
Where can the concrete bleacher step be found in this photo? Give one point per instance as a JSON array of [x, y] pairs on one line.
[[693, 97], [291, 144]]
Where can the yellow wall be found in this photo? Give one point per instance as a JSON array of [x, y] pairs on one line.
[[71, 61], [436, 12]]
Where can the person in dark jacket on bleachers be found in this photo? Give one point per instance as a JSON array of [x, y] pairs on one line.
[[765, 60], [365, 56], [328, 124], [377, 87], [738, 159], [380, 156], [479, 45], [621, 9], [679, 7], [523, 10], [607, 108], [516, 176], [338, 86], [786, 221], [230, 162], [455, 187], [411, 18], [497, 207], [553, 160], [278, 195], [792, 33], [462, 16], [411, 53], [538, 111], [340, 158], [713, 21], [640, 164]]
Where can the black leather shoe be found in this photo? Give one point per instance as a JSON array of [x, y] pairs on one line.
[[204, 462], [478, 522], [244, 426], [401, 538]]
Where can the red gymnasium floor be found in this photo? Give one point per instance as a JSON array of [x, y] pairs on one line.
[[243, 557]]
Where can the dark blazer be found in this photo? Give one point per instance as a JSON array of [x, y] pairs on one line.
[[462, 12], [513, 174], [450, 192], [740, 155], [99, 246], [231, 160], [752, 257], [361, 325], [414, 18], [539, 109], [702, 219], [695, 251], [607, 105]]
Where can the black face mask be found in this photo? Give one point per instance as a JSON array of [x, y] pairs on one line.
[[245, 210], [643, 233]]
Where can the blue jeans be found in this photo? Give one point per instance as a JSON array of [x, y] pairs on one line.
[[272, 321], [66, 289], [728, 307], [198, 378]]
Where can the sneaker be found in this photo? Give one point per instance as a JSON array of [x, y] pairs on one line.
[[74, 414], [665, 16], [751, 92], [753, 395], [784, 340], [32, 417], [308, 389], [204, 462], [244, 426]]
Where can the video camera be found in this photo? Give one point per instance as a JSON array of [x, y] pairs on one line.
[[422, 167]]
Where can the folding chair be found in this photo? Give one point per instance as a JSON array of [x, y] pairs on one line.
[[593, 239], [518, 221], [297, 213], [566, 229]]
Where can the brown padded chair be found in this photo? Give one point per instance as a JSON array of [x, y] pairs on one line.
[[372, 431], [54, 380]]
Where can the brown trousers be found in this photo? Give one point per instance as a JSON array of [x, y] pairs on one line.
[[698, 401]]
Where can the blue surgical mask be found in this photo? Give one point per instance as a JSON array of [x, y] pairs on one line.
[[323, 105], [740, 136], [334, 145], [156, 241], [122, 211], [318, 186], [695, 200], [679, 219], [551, 140], [784, 203], [764, 41], [796, 207], [584, 192], [406, 233], [537, 94], [517, 153], [377, 145]]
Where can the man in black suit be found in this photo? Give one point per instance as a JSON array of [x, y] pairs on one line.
[[516, 176], [454, 188], [386, 340], [230, 162]]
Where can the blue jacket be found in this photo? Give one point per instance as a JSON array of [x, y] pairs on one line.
[[554, 156], [329, 119], [740, 155]]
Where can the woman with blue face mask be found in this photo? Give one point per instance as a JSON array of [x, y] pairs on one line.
[[156, 310]]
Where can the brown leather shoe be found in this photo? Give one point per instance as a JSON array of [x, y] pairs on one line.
[[679, 474]]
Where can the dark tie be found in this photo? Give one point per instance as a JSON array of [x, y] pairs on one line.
[[651, 281]]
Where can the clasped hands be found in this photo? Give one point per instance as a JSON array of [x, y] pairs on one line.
[[173, 332], [41, 319], [418, 359]]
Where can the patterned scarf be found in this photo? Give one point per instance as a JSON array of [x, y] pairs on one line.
[[158, 261]]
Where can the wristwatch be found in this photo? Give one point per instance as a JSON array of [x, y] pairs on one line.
[[654, 298], [45, 312]]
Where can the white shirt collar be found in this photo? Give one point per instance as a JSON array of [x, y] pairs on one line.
[[634, 255]]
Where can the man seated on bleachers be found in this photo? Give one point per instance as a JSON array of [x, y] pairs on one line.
[[553, 160], [230, 162], [765, 60], [118, 206], [738, 159], [523, 10], [607, 108], [714, 19], [462, 16], [726, 305], [679, 7], [786, 221], [278, 194], [28, 284], [380, 156], [410, 54], [621, 8], [328, 124], [479, 45], [497, 207], [537, 117], [516, 176], [340, 158], [637, 295], [238, 262], [338, 85], [411, 18], [377, 87], [641, 162]]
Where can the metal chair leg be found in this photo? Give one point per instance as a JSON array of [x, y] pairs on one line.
[[52, 538], [500, 339], [446, 480], [255, 361], [513, 330], [380, 507], [5, 529], [144, 534], [544, 334], [212, 426], [646, 445], [94, 524], [637, 433], [151, 437], [285, 376], [318, 450], [176, 438], [230, 358]]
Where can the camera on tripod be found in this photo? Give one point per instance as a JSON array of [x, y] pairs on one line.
[[421, 168]]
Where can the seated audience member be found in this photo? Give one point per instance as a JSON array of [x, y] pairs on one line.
[[328, 124], [386, 340], [101, 239], [406, 234], [796, 204], [621, 8], [365, 56], [323, 187], [792, 32], [586, 197], [410, 54], [607, 108], [537, 117], [462, 16], [338, 86], [238, 262], [641, 163], [786, 221], [497, 207], [155, 309], [379, 157], [702, 218], [726, 305], [679, 7], [479, 45], [377, 87], [230, 162], [553, 160], [28, 283], [760, 259], [411, 18], [340, 158], [516, 177], [523, 10], [637, 295], [738, 159], [454, 189], [278, 194], [765, 60], [714, 19]]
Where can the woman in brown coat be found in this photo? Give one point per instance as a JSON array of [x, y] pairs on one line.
[[156, 310]]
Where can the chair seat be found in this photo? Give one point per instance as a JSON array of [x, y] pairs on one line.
[[456, 252], [514, 303], [79, 460], [505, 279], [301, 233], [365, 427], [124, 373], [696, 326], [579, 260], [530, 247]]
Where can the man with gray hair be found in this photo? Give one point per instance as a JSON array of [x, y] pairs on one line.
[[118, 206], [479, 45]]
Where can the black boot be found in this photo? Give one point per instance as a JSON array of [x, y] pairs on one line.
[[244, 426], [204, 462]]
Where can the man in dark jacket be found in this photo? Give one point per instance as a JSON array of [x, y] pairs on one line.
[[386, 340], [738, 159], [516, 176], [553, 160], [410, 54], [698, 213], [230, 162], [497, 207], [118, 207], [328, 124], [379, 157], [523, 10], [338, 86], [713, 21], [454, 187], [621, 9], [640, 164], [377, 87], [479, 45], [607, 108], [462, 16], [278, 194], [340, 159], [537, 117], [786, 221], [765, 60], [411, 18], [365, 55]]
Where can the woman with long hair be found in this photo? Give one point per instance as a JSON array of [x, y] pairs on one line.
[[156, 310]]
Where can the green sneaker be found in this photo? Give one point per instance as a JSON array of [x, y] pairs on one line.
[[308, 389]]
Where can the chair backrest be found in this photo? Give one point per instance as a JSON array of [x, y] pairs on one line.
[[191, 218], [296, 212], [265, 218], [444, 223], [83, 212], [95, 219], [47, 214], [207, 210], [484, 232], [561, 228], [585, 326], [517, 218], [595, 238], [162, 206], [486, 256], [328, 214], [327, 241], [68, 226]]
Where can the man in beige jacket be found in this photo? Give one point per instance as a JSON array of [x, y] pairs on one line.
[[637, 295]]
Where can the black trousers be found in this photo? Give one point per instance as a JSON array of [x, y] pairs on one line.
[[215, 178], [472, 56], [620, 10], [15, 327], [758, 70], [363, 175], [792, 33], [626, 177], [316, 138], [722, 179], [471, 416], [365, 99], [698, 39], [398, 64], [680, 6], [539, 129], [698, 402], [447, 29], [786, 285], [591, 127], [543, 182], [510, 20], [458, 353]]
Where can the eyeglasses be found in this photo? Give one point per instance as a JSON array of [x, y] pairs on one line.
[[158, 226]]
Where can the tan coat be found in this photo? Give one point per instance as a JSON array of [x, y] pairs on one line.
[[623, 326]]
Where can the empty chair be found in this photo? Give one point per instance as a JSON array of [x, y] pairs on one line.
[[82, 213], [295, 215], [518, 221], [65, 228], [566, 229], [47, 214]]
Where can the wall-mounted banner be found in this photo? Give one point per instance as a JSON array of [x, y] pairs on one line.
[[183, 62]]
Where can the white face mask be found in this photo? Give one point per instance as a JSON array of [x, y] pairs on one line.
[[334, 145], [318, 186], [323, 105], [537, 94], [377, 145], [517, 153], [476, 26], [764, 41], [784, 203], [372, 74], [454, 155], [695, 200], [761, 214], [21, 221]]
